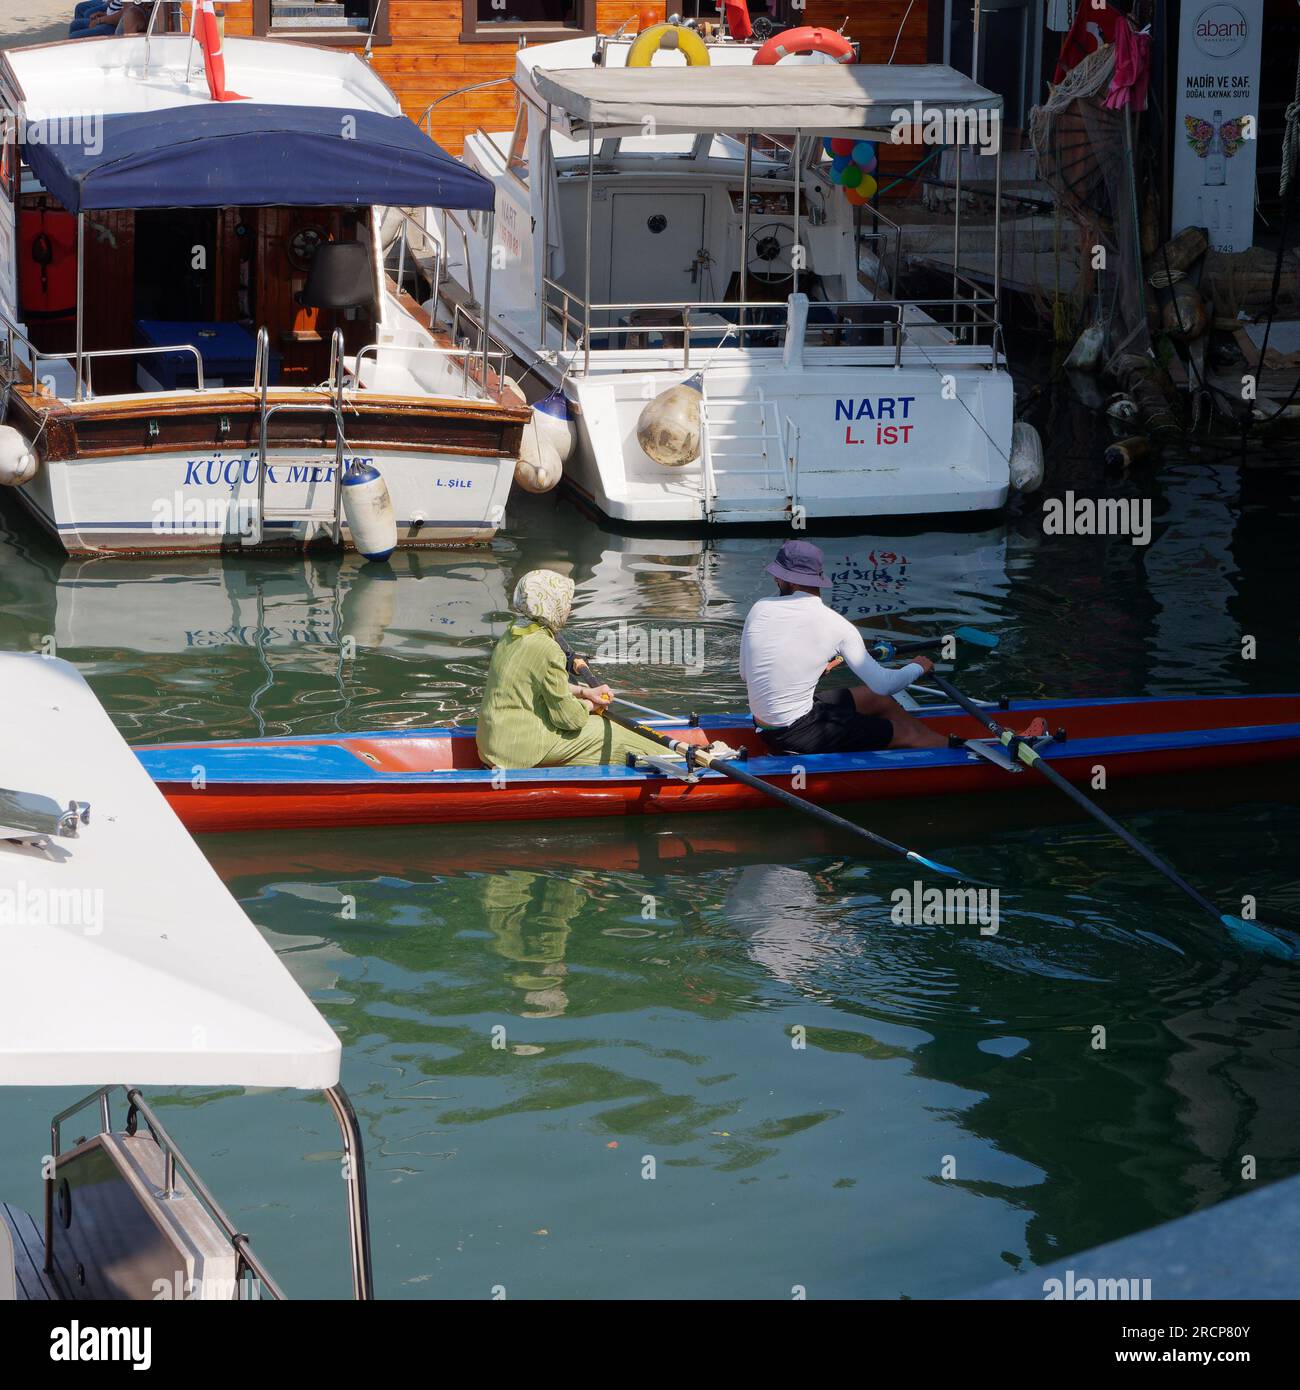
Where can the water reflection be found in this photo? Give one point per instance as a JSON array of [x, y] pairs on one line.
[[672, 1033], [792, 919], [530, 917]]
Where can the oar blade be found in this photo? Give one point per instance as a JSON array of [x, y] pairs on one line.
[[946, 869], [975, 638], [1252, 937]]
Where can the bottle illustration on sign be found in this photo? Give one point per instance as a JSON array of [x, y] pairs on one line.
[[1207, 212], [1215, 142], [1216, 162]]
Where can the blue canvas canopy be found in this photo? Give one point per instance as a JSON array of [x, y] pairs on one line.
[[240, 154]]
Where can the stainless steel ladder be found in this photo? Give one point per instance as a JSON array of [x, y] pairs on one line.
[[333, 516], [726, 434]]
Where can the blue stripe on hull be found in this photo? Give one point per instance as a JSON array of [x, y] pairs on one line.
[[316, 759]]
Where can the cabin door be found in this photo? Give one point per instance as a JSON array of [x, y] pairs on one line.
[[1010, 52], [655, 244]]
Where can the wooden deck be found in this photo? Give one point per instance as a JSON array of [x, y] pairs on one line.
[[33, 1284]]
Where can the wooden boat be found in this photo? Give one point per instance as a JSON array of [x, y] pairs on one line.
[[149, 405], [431, 776]]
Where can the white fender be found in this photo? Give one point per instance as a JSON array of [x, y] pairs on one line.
[[555, 422], [539, 468], [1026, 465], [18, 462], [368, 509], [668, 428], [795, 332], [369, 605]]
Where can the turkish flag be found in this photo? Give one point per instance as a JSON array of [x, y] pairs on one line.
[[738, 18], [1094, 24], [214, 62]]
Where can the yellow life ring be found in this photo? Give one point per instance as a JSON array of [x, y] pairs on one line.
[[669, 36]]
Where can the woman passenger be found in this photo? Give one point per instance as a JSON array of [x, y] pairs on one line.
[[533, 715]]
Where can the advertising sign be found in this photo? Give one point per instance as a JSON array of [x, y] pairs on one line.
[[1214, 144]]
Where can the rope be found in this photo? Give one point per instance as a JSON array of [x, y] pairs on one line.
[[1291, 139], [1286, 185]]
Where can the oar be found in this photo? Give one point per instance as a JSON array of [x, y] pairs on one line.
[[653, 713], [886, 649], [728, 769], [576, 664], [1245, 933], [974, 636], [724, 766]]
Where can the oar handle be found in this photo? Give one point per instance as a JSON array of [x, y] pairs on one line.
[[577, 665]]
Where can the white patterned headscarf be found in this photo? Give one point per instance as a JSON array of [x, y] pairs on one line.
[[545, 597]]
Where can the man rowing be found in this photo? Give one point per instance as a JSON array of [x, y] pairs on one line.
[[790, 639]]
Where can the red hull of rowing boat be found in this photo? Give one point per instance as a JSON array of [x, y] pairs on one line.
[[222, 806]]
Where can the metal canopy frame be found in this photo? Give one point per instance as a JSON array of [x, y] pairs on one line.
[[743, 304], [354, 1174]]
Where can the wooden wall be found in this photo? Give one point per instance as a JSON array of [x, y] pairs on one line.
[[427, 58]]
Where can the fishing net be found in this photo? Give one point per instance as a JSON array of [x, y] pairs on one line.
[[1085, 156]]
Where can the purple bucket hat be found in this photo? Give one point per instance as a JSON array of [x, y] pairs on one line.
[[799, 562]]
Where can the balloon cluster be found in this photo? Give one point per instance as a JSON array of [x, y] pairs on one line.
[[853, 167]]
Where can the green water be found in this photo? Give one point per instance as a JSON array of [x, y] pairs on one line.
[[632, 1038]]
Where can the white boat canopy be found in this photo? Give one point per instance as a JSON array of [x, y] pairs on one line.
[[123, 957], [826, 99]]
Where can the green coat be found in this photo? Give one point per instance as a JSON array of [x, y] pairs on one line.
[[529, 717]]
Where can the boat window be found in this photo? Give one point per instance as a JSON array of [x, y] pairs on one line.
[[673, 146], [507, 21], [336, 22]]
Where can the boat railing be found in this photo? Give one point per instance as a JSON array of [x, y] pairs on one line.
[[424, 119], [891, 228], [495, 348], [430, 241], [85, 385], [968, 321], [471, 381], [261, 364], [174, 1162], [14, 334], [86, 390], [267, 410]]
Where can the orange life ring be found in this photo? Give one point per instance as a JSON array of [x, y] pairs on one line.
[[807, 39]]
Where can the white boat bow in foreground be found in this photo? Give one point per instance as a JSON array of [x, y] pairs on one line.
[[125, 962]]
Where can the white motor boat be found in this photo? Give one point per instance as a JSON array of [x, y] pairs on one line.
[[702, 315], [125, 963], [200, 345]]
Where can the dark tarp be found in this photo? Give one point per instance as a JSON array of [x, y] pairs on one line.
[[238, 154]]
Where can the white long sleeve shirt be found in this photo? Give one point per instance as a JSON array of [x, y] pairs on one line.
[[787, 641]]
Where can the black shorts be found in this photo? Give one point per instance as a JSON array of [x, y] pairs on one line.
[[833, 725]]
